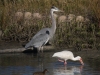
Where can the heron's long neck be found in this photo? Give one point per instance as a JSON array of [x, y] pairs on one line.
[[53, 27]]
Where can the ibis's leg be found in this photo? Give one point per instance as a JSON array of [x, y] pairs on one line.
[[65, 62], [60, 60]]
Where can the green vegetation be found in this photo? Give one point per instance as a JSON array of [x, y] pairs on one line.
[[72, 35]]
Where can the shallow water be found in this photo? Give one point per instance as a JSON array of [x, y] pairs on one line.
[[27, 64]]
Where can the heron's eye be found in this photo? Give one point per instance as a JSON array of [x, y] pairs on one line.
[[53, 7]]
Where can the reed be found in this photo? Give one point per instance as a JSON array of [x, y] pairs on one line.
[[68, 34]]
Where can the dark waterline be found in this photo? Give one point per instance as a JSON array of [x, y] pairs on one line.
[[27, 64]]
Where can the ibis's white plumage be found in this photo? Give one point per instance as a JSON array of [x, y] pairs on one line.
[[65, 55]]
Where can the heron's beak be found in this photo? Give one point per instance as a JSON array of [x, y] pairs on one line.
[[81, 61], [61, 11]]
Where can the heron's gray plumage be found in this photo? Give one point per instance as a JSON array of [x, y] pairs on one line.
[[45, 34], [39, 40]]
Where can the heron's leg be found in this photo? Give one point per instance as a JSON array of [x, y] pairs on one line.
[[42, 49], [38, 49], [32, 48]]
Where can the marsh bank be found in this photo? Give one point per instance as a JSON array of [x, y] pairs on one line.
[[16, 47]]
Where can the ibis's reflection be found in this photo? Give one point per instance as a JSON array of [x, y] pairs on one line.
[[68, 70]]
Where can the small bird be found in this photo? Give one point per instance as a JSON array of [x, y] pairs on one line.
[[40, 73], [66, 55]]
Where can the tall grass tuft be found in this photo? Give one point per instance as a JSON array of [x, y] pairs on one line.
[[85, 35]]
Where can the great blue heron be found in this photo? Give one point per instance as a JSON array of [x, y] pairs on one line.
[[43, 36]]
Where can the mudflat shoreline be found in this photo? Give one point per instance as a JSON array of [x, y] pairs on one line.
[[15, 47]]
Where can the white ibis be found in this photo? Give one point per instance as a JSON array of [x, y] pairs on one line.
[[66, 55]]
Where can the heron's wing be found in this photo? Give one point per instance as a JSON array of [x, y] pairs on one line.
[[39, 40], [42, 31]]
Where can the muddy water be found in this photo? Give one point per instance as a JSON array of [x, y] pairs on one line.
[[27, 64]]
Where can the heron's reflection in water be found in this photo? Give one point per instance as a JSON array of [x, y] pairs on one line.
[[40, 60], [68, 70]]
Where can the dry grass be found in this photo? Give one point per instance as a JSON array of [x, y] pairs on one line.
[[68, 34]]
